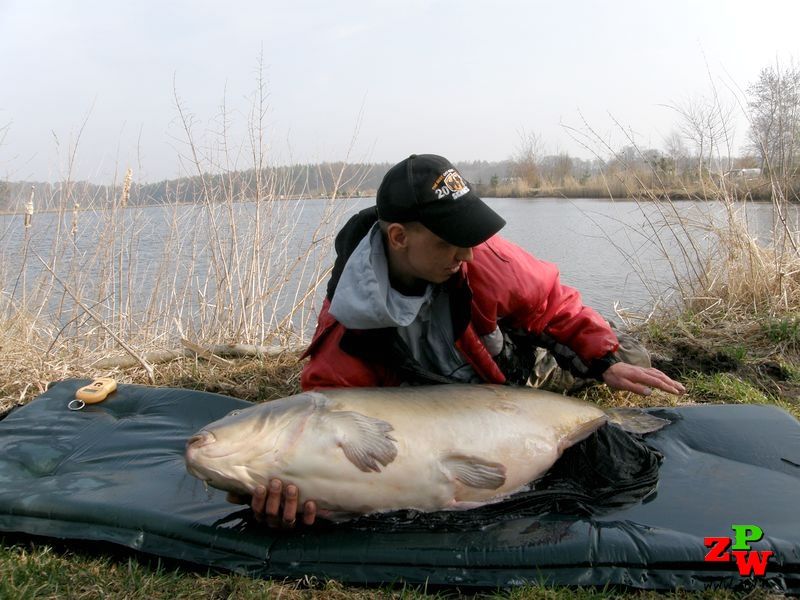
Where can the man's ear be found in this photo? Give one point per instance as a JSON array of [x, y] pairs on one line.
[[397, 236]]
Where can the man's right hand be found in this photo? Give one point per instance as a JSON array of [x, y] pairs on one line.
[[277, 506]]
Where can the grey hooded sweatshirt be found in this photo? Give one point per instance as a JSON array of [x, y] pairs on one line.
[[364, 299]]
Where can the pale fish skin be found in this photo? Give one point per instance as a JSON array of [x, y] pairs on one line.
[[366, 450]]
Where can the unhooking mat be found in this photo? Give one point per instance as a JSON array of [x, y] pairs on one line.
[[115, 472]]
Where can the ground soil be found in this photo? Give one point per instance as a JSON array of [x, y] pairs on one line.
[[685, 357]]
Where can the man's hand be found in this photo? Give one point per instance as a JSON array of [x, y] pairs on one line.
[[277, 506], [640, 380]]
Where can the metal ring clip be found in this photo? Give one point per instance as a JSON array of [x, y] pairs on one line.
[[76, 404]]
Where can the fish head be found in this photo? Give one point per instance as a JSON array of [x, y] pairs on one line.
[[248, 446]]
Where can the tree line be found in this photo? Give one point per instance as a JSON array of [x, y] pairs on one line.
[[699, 150]]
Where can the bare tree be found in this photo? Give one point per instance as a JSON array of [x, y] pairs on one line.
[[676, 151], [556, 168], [707, 123], [774, 103], [525, 162]]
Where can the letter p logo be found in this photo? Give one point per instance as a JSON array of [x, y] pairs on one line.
[[744, 534]]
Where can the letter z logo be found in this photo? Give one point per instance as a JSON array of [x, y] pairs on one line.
[[718, 551]]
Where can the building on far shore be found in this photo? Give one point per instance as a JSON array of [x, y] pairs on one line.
[[743, 173]]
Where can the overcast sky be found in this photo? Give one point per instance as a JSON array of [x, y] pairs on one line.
[[455, 78]]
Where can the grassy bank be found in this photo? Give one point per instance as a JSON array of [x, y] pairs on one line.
[[45, 572]]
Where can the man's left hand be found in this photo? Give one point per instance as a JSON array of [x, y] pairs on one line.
[[640, 380]]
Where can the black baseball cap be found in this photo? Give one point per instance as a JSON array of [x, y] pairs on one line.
[[428, 188]]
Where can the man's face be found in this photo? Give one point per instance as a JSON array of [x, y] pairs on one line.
[[429, 257]]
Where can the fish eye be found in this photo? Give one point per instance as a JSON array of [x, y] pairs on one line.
[[233, 413]]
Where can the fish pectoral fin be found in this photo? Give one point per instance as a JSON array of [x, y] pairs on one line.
[[365, 440], [475, 472]]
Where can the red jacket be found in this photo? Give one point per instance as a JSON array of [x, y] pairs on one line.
[[505, 284]]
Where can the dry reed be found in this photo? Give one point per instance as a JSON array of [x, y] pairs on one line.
[[241, 265], [234, 263]]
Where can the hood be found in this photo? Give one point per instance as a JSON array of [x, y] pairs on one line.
[[364, 299]]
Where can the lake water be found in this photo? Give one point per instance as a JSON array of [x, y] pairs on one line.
[[177, 260], [607, 249]]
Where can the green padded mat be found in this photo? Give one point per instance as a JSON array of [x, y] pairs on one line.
[[115, 472]]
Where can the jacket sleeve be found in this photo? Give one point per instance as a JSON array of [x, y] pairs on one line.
[[526, 293], [329, 366]]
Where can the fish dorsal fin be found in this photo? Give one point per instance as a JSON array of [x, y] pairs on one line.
[[364, 440], [634, 420], [476, 472]]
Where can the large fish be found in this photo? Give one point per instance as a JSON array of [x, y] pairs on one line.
[[365, 450]]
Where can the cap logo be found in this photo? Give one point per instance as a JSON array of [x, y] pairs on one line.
[[450, 182]]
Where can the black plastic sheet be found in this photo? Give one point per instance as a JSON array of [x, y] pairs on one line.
[[115, 472]]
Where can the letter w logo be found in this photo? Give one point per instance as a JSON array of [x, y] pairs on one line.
[[751, 562]]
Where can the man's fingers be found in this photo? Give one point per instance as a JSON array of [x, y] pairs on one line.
[[663, 382], [257, 502], [675, 385], [640, 380], [653, 378], [277, 505], [309, 512], [290, 506], [672, 388], [636, 388], [273, 504]]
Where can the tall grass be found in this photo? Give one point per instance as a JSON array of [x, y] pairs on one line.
[[240, 264], [722, 270]]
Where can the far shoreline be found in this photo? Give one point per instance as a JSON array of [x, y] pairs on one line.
[[568, 192], [764, 194]]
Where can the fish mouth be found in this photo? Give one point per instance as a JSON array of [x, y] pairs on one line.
[[200, 439], [193, 445], [204, 446]]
